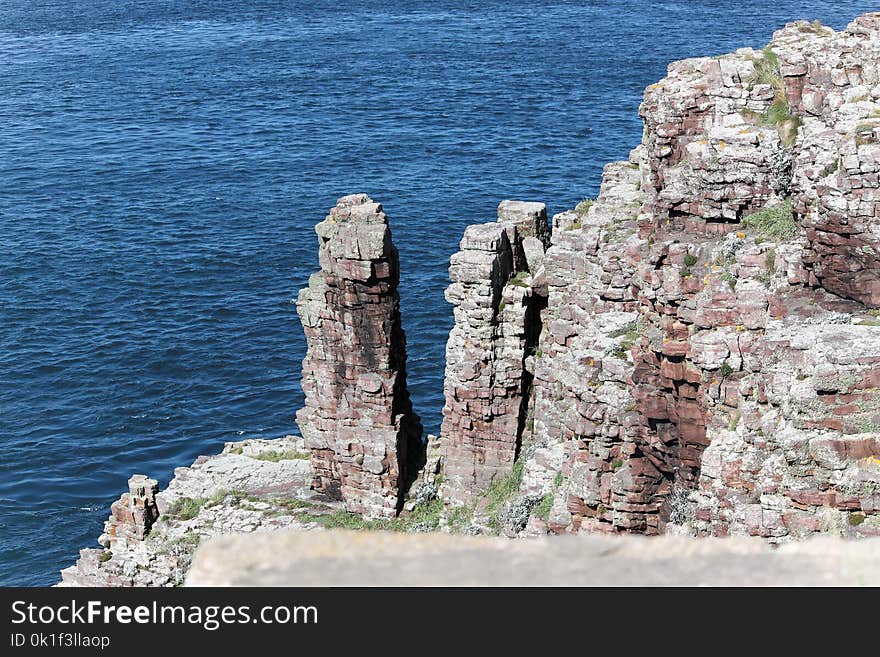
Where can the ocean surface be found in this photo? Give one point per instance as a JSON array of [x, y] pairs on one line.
[[163, 163]]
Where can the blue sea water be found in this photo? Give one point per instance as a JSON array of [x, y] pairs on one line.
[[162, 164]]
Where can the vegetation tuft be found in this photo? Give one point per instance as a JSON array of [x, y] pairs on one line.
[[775, 223], [778, 114], [287, 455]]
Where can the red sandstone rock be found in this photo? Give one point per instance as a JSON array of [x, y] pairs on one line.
[[358, 422]]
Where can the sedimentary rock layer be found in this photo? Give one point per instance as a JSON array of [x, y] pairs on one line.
[[699, 377], [497, 295], [357, 420], [696, 351]]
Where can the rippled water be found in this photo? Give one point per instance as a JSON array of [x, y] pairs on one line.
[[162, 164]]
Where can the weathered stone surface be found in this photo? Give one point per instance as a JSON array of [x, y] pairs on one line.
[[253, 485], [663, 361], [133, 514], [357, 420], [382, 559], [666, 309], [496, 309]]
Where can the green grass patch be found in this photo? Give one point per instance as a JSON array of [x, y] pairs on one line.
[[187, 508], [286, 455], [520, 279], [501, 490], [584, 206], [460, 518], [778, 114], [767, 71], [424, 517], [632, 328], [775, 223], [542, 509]]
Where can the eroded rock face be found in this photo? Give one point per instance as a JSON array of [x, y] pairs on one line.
[[692, 374], [664, 361], [132, 515], [253, 485], [496, 292], [357, 421], [833, 78], [726, 137], [707, 159]]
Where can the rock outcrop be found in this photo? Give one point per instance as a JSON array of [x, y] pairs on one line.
[[253, 485], [497, 295], [357, 420], [706, 363], [696, 351], [132, 515]]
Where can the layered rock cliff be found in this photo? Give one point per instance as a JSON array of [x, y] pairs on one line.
[[708, 354], [696, 351]]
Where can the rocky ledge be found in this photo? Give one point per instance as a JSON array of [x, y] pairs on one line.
[[696, 351]]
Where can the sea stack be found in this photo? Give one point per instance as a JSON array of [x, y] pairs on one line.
[[357, 422]]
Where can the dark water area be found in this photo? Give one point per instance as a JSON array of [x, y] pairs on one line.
[[163, 163]]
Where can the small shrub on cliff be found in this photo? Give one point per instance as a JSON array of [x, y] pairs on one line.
[[542, 510], [770, 261], [690, 260], [726, 370], [775, 223], [584, 206], [865, 134], [730, 279], [186, 508], [735, 417]]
